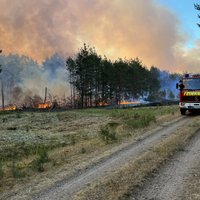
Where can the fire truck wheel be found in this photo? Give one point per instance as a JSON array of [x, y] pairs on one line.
[[183, 111]]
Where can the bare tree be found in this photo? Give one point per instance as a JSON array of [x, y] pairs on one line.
[[2, 91]]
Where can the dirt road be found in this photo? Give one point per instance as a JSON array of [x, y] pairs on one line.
[[68, 187], [169, 182]]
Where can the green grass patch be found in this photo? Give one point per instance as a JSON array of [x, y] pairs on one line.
[[140, 121], [41, 158]]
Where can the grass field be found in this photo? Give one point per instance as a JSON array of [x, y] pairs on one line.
[[32, 143], [122, 183]]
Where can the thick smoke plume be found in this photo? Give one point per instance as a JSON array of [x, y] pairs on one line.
[[117, 28]]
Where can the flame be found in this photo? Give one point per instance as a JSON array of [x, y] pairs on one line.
[[121, 103], [9, 107], [103, 104], [128, 102], [43, 105]]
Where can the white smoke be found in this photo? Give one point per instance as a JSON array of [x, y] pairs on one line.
[[24, 78]]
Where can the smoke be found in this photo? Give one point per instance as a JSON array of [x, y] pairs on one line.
[[189, 57], [24, 80], [168, 84], [116, 28]]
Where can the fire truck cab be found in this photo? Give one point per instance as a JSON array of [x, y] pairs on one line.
[[189, 87]]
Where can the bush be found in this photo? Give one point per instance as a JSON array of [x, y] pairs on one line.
[[147, 119], [16, 172], [140, 121], [42, 157], [108, 133]]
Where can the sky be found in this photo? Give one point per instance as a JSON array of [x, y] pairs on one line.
[[161, 33], [187, 15]]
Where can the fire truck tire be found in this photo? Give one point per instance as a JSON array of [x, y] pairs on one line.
[[183, 111]]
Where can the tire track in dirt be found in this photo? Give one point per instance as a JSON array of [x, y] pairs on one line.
[[68, 187], [168, 182]]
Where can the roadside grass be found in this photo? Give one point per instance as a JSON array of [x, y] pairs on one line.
[[121, 183], [33, 143]]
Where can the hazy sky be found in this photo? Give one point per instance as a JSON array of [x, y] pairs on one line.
[[162, 33], [185, 12]]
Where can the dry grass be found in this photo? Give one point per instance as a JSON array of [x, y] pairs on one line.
[[121, 183], [70, 138]]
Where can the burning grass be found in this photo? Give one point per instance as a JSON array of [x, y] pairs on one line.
[[35, 142], [8, 107]]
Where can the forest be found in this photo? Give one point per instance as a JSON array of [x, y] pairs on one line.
[[97, 81]]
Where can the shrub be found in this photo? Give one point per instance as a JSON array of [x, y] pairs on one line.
[[42, 157], [37, 165], [16, 172], [140, 121], [147, 119], [43, 154], [108, 133]]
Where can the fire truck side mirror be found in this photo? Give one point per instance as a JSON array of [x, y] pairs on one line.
[[177, 85]]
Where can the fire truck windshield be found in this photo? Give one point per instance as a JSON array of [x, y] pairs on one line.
[[191, 84]]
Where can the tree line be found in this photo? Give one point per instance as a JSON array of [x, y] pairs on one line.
[[96, 80]]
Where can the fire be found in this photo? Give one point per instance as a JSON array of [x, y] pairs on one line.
[[9, 107], [43, 105], [103, 104], [128, 102], [121, 103]]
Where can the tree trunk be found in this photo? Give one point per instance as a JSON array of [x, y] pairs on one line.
[[2, 95], [45, 95]]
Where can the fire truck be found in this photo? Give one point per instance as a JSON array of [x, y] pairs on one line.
[[189, 87]]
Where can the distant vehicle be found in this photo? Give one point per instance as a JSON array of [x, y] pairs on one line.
[[189, 87]]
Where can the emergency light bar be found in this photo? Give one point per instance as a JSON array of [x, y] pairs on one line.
[[191, 75], [187, 75]]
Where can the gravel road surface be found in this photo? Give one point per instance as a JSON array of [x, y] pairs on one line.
[[168, 183]]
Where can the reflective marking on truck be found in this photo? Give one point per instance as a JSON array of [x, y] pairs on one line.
[[191, 93]]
